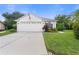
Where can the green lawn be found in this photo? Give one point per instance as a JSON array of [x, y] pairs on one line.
[[62, 43], [6, 32]]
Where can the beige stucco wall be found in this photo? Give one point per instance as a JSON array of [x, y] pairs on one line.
[[2, 27]]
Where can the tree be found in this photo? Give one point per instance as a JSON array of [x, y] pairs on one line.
[[63, 22], [76, 23], [16, 15], [60, 18], [10, 19], [76, 29], [68, 23], [60, 22], [13, 16]]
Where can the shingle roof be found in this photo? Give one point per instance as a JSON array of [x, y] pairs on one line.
[[47, 19], [42, 18], [1, 22]]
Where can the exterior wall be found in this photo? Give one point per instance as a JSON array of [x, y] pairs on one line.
[[32, 26], [2, 27], [31, 23], [51, 23], [54, 24]]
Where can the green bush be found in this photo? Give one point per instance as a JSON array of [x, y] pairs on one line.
[[12, 30], [60, 26], [76, 29], [54, 30], [49, 30], [14, 26]]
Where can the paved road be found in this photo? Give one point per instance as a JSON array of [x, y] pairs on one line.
[[28, 43]]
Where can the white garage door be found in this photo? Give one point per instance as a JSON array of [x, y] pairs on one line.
[[29, 26]]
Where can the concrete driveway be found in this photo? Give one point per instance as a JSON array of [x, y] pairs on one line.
[[28, 43]]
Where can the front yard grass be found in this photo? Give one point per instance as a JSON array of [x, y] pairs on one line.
[[62, 43], [6, 32]]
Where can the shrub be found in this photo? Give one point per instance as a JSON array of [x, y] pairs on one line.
[[52, 30], [49, 30], [14, 26], [60, 26], [12, 30], [76, 29]]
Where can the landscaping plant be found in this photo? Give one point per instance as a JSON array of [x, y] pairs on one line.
[[76, 29]]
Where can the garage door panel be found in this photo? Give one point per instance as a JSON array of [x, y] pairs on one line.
[[29, 27]]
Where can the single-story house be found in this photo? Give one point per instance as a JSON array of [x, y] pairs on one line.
[[2, 26], [31, 22]]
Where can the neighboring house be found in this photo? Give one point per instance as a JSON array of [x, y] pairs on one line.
[[2, 26], [31, 22]]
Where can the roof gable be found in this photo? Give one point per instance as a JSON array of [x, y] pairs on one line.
[[29, 17], [32, 17]]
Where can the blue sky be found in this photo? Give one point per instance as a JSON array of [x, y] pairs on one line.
[[45, 10]]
